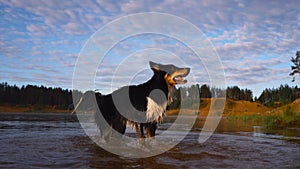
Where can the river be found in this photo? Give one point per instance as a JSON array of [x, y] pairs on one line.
[[53, 140]]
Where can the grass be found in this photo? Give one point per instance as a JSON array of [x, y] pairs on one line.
[[246, 118], [288, 118], [272, 122]]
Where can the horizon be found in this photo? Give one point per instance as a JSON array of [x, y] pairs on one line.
[[96, 90], [255, 40]]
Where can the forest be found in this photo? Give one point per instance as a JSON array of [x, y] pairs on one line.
[[270, 97], [32, 95]]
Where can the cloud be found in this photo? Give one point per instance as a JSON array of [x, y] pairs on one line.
[[251, 73], [74, 28], [38, 30], [55, 15], [254, 39]]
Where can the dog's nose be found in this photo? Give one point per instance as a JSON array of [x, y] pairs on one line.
[[187, 70]]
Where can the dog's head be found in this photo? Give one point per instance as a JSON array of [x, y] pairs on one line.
[[172, 74]]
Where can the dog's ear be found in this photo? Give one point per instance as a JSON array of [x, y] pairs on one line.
[[154, 66]]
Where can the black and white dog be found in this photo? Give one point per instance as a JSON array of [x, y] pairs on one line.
[[143, 106]]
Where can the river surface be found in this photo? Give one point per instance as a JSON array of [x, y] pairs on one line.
[[39, 140]]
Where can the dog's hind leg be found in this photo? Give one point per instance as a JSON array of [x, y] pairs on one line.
[[118, 127]]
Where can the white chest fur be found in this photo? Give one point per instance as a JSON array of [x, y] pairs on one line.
[[155, 112]]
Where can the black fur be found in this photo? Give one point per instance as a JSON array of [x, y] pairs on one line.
[[135, 107]]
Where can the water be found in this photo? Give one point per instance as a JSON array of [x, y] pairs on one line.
[[57, 141]]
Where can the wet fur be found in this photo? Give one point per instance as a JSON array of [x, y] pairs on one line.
[[142, 100]]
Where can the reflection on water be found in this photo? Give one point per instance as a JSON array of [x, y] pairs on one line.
[[57, 141]]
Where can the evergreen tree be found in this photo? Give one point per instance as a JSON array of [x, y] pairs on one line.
[[205, 91], [296, 67]]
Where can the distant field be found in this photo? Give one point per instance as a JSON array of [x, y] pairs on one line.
[[241, 108]]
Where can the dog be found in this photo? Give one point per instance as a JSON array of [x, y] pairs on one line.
[[143, 106]]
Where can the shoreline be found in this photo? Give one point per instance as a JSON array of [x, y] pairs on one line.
[[231, 108], [31, 109]]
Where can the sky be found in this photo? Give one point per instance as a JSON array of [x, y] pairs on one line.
[[42, 39]]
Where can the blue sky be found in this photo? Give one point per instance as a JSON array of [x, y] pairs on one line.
[[41, 39]]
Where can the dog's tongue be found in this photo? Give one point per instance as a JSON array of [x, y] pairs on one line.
[[179, 78]]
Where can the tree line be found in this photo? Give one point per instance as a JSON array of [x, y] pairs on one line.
[[274, 97], [282, 95], [62, 98], [205, 91], [35, 95]]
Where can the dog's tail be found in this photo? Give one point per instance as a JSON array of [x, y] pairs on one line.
[[80, 100]]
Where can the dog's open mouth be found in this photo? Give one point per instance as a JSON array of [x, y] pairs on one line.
[[179, 76], [180, 79]]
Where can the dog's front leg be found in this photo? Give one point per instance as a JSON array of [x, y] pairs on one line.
[[138, 130], [150, 129]]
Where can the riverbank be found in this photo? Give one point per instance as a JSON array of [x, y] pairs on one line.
[[286, 116], [32, 109], [232, 108], [240, 108]]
